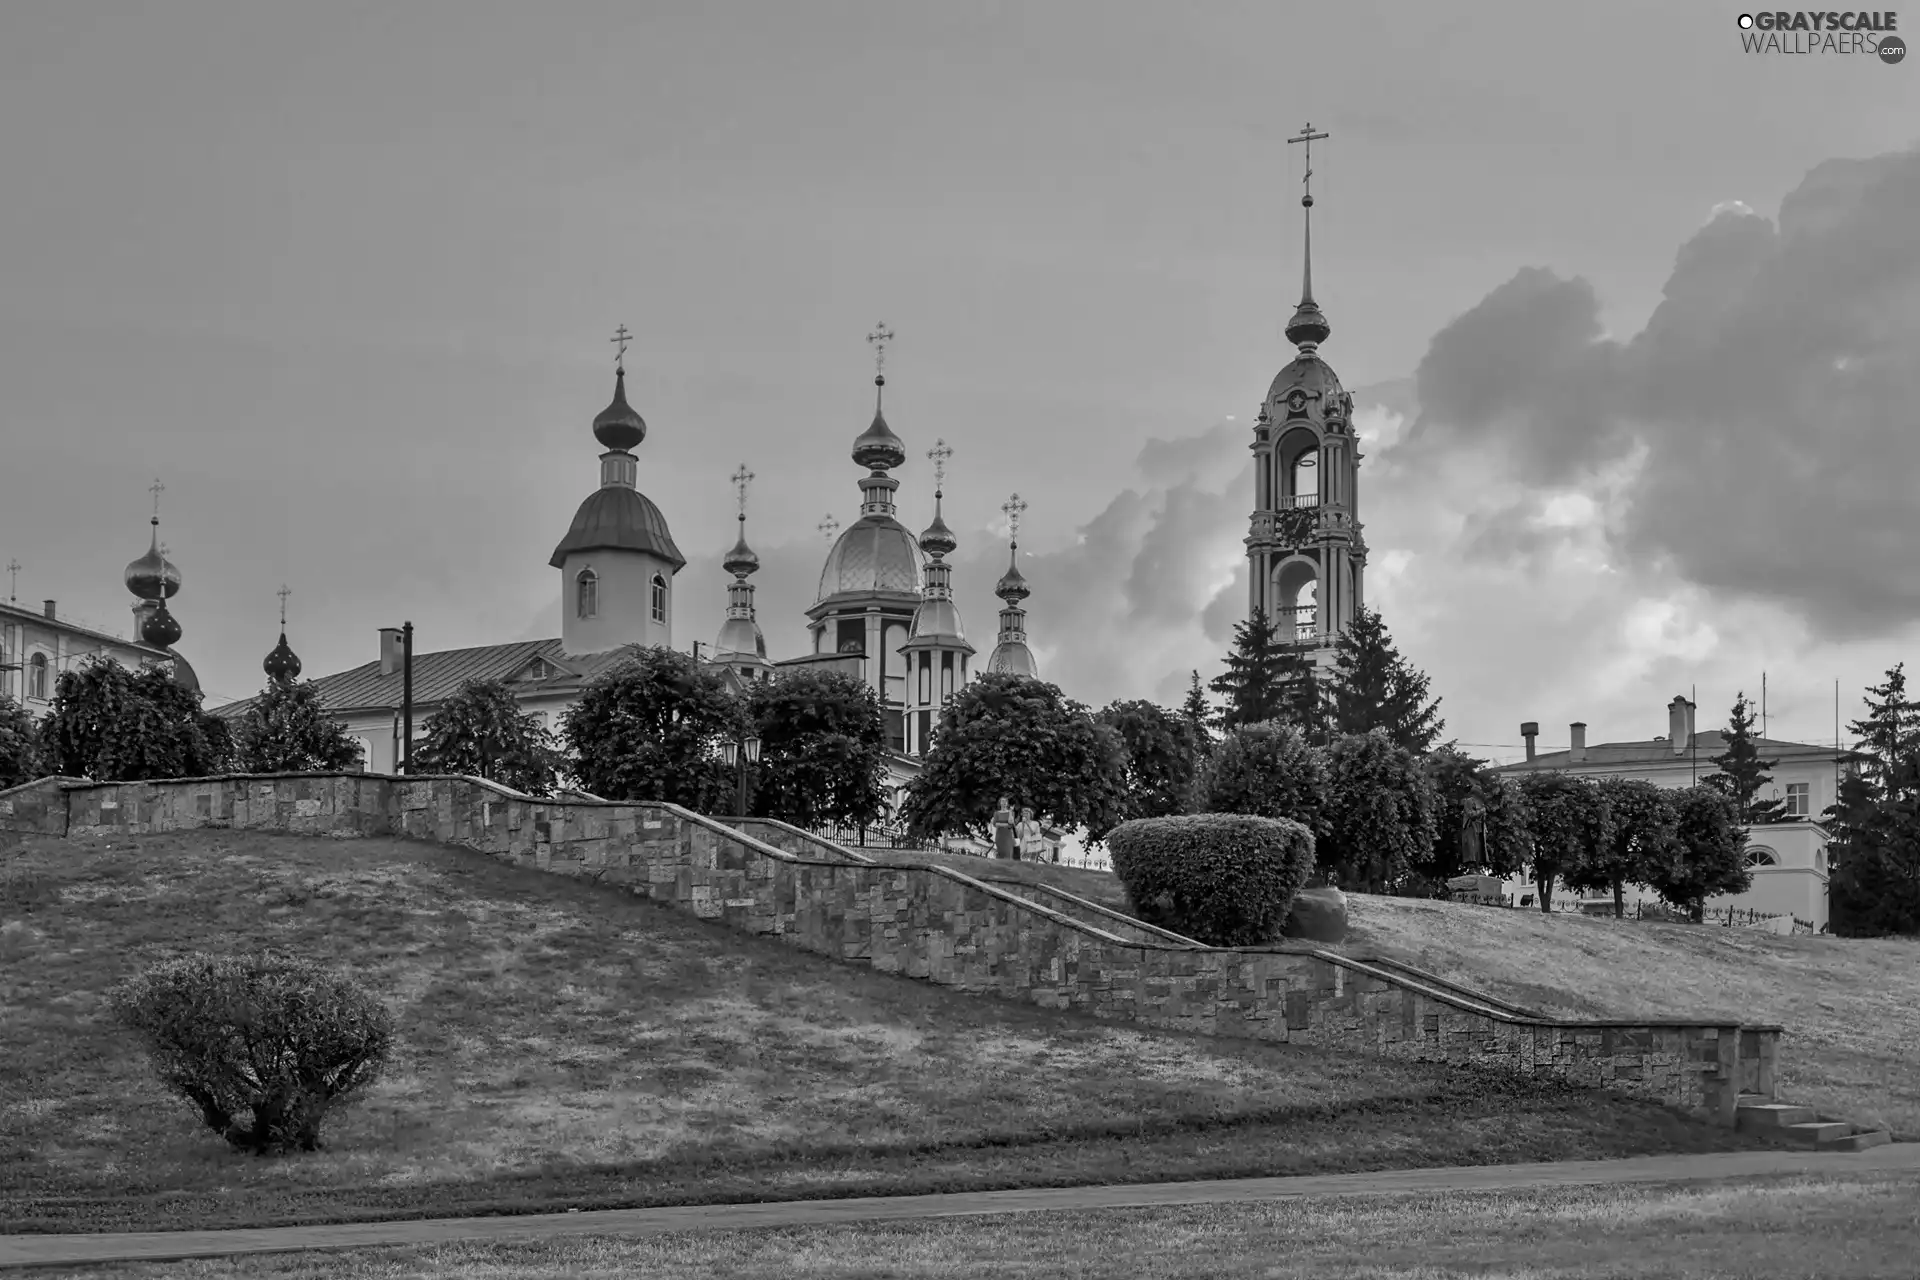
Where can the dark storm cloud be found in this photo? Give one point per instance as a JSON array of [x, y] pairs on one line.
[[1775, 392]]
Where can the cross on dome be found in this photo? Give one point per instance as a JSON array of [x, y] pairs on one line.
[[828, 527], [283, 593], [939, 454], [880, 337], [620, 336], [156, 489], [741, 479], [1013, 507]]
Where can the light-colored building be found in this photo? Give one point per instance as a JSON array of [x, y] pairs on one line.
[[1306, 555], [36, 646], [884, 611], [1788, 858]]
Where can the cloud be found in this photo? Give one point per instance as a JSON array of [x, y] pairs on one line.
[[1764, 417]]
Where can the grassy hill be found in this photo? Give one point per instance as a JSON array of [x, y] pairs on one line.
[[1851, 1007], [563, 1044]]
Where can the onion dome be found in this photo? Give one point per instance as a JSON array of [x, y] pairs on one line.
[[877, 448], [1012, 585], [282, 664], [618, 426], [615, 518], [1309, 324], [741, 561], [874, 553], [937, 539], [153, 576], [160, 629], [740, 636]]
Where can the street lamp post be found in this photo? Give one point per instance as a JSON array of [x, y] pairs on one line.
[[406, 698], [744, 751]]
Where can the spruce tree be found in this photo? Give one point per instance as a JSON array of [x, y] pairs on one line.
[[1255, 680], [1374, 687], [1874, 826], [1198, 713], [1742, 772]]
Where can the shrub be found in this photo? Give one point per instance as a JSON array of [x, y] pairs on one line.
[[1225, 879], [279, 1040], [1269, 770]]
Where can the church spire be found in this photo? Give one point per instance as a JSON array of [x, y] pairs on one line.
[[877, 448], [936, 650], [1011, 653], [1309, 327], [282, 665], [740, 635]]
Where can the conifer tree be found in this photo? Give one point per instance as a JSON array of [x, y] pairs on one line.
[[285, 730], [1374, 687], [1874, 826], [1255, 681], [1198, 713], [1742, 772]]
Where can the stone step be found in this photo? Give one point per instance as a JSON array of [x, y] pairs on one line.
[[1819, 1133], [1752, 1117], [1860, 1141]]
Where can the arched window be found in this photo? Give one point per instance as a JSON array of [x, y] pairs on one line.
[[37, 676], [589, 593], [659, 599], [1761, 858]]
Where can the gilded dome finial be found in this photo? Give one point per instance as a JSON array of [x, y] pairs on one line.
[[877, 448], [741, 561], [618, 426], [282, 665], [938, 540]]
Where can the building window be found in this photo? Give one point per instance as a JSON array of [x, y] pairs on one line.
[[37, 676], [589, 593], [1761, 858], [1799, 799], [659, 599]]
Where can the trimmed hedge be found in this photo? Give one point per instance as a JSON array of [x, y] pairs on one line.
[[1225, 879]]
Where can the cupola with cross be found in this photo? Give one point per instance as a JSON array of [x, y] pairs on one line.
[[741, 647], [282, 664], [1306, 557], [871, 583], [154, 579], [618, 559], [937, 649], [1010, 652]]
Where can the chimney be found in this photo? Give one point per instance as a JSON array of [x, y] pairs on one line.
[[1578, 732], [50, 617], [1530, 730], [1680, 724], [389, 650]]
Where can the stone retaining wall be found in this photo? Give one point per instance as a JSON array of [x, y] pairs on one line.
[[935, 923]]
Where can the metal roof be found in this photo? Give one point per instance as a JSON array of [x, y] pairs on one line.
[[1659, 751]]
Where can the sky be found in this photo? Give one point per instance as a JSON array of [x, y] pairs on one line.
[[1632, 318]]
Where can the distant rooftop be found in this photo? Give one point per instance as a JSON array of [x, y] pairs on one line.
[[1659, 751]]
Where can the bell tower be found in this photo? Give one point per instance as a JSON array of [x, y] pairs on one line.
[[1306, 558]]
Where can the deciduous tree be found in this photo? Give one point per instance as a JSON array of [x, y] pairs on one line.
[[1267, 770], [1641, 829], [1708, 854], [650, 729], [19, 745], [823, 741], [481, 731], [1015, 736], [1161, 757], [1374, 687], [1569, 825], [112, 724], [1380, 815]]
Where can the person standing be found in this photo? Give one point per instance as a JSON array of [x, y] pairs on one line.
[[1004, 845], [1032, 844]]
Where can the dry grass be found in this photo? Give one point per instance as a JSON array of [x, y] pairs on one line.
[[1859, 1227], [1850, 1007], [563, 1044]]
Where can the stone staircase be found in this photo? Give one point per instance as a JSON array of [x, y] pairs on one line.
[[1799, 1126]]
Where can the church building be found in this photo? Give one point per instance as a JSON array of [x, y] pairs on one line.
[[884, 610], [35, 647], [1306, 557]]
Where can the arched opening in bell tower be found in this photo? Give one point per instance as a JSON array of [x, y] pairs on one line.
[[1298, 459], [1296, 600]]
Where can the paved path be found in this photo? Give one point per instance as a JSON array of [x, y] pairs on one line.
[[157, 1246]]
